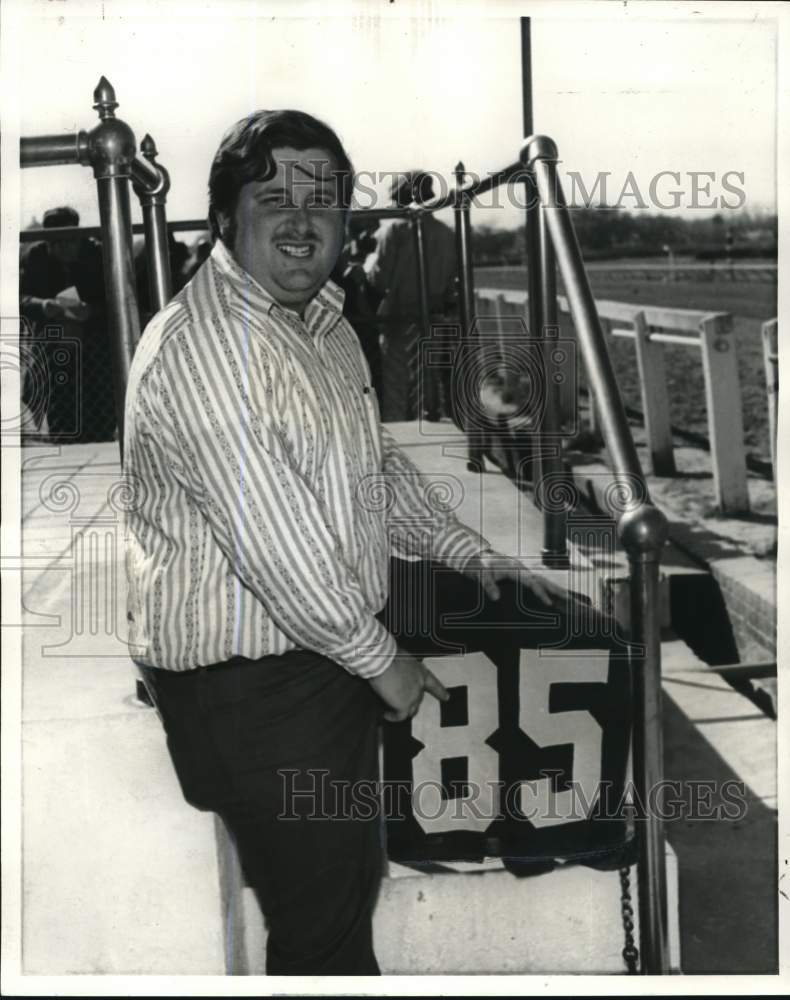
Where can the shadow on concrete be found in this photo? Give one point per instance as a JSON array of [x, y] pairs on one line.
[[727, 868]]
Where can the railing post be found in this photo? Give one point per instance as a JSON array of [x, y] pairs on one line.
[[655, 400], [423, 376], [643, 531], [466, 301], [770, 332], [542, 313], [111, 151], [548, 438], [725, 416], [157, 250]]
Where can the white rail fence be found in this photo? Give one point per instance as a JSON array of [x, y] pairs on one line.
[[770, 331], [651, 327]]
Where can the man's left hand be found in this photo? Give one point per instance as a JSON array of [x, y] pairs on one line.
[[493, 568]]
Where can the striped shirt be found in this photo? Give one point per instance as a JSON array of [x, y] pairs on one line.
[[267, 495]]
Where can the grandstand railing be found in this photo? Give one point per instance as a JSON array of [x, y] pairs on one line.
[[111, 150]]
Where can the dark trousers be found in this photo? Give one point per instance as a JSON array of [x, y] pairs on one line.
[[260, 742]]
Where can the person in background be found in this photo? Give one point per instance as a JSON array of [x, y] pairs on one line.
[[392, 271], [62, 290], [360, 303], [199, 253]]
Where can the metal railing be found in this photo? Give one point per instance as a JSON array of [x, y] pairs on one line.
[[642, 530], [110, 150]]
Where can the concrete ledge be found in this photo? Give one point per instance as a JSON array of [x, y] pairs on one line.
[[120, 874], [565, 921]]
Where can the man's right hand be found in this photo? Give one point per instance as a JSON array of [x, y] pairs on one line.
[[402, 686]]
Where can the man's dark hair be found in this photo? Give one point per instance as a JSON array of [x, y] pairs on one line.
[[245, 155]]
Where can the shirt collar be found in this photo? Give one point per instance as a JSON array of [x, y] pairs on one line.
[[322, 311]]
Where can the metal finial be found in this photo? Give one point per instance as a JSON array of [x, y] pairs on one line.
[[104, 99], [148, 148]]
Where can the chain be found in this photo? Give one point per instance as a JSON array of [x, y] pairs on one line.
[[630, 953]]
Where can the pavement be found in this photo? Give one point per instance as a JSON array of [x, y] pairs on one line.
[[121, 876]]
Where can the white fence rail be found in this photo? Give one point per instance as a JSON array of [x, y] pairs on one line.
[[770, 331], [651, 327]]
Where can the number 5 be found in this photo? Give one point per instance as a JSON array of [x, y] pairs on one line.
[[537, 673]]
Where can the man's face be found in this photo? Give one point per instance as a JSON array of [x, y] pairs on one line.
[[289, 229]]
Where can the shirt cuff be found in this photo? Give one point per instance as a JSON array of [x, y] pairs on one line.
[[372, 652], [458, 545]]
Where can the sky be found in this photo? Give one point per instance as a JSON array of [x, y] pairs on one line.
[[633, 87]]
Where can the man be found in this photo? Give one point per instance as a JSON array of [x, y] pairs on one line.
[[80, 403], [269, 502], [392, 271], [359, 302]]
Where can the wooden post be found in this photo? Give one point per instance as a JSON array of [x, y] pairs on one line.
[[655, 399], [771, 361], [501, 310], [725, 415]]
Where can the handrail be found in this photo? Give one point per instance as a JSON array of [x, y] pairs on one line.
[[540, 154], [51, 150], [642, 530], [110, 149], [56, 234]]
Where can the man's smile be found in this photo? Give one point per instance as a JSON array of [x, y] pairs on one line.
[[299, 250]]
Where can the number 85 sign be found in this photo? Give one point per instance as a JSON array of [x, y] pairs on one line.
[[528, 758]]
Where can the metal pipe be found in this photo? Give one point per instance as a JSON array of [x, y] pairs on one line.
[[157, 255], [112, 148], [49, 150], [541, 155], [78, 232], [153, 198], [426, 384], [542, 311], [122, 313], [643, 531], [145, 175], [382, 213], [526, 74], [531, 232], [469, 191], [549, 436], [649, 767], [533, 255], [466, 300]]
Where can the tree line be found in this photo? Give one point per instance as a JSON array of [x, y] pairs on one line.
[[610, 233]]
